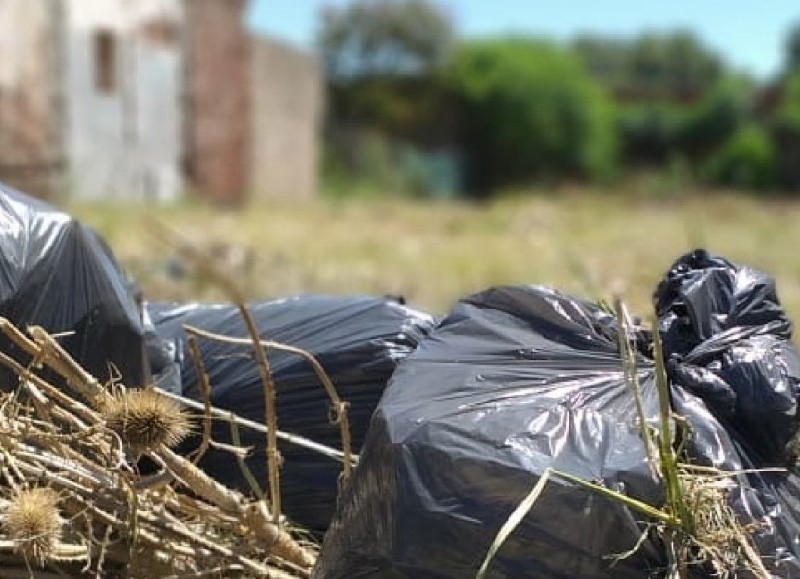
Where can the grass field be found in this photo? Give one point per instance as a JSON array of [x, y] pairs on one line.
[[433, 253]]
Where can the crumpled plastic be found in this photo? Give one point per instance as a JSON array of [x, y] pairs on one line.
[[57, 273], [513, 381], [735, 377], [358, 340], [519, 379]]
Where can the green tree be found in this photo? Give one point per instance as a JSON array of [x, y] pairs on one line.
[[387, 104], [383, 59], [606, 58], [649, 132], [787, 115], [532, 112], [785, 124], [723, 110], [384, 38], [671, 66], [792, 49]]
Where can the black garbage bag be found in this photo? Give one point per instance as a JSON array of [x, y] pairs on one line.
[[735, 376], [162, 355], [57, 273], [359, 342], [519, 379], [513, 381]]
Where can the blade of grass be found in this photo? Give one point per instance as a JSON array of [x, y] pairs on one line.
[[632, 380], [513, 522], [637, 505], [669, 460]]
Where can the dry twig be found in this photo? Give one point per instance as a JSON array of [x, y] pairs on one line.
[[72, 502]]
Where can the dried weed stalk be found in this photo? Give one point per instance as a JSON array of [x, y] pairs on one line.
[[73, 501]]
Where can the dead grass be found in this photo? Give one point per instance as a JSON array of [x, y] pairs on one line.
[[584, 242]]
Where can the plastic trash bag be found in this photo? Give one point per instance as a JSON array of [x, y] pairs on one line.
[[735, 376], [358, 340], [513, 381], [519, 379], [57, 273]]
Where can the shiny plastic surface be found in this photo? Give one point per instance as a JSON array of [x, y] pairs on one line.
[[735, 376], [57, 273], [514, 380], [518, 379], [358, 340]]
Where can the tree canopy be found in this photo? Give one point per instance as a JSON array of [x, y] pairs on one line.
[[384, 38], [533, 110], [792, 49], [673, 66]]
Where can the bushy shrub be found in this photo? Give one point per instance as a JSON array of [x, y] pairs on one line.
[[649, 132], [713, 120], [748, 159], [787, 115], [786, 131], [531, 112], [656, 131]]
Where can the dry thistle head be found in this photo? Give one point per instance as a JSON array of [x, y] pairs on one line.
[[144, 419], [33, 523]]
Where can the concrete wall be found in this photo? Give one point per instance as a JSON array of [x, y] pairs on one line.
[[124, 138], [218, 99], [30, 124], [287, 91]]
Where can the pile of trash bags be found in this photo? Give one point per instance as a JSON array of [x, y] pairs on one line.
[[518, 379], [358, 341], [457, 419], [57, 273]]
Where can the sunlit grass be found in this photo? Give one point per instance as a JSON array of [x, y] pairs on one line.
[[587, 243]]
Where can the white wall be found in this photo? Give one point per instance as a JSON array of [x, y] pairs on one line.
[[125, 143]]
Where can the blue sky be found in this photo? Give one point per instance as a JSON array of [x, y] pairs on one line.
[[749, 33]]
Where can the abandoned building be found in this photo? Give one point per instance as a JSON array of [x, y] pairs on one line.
[[150, 99]]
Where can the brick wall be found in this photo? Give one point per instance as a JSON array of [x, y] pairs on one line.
[[217, 99]]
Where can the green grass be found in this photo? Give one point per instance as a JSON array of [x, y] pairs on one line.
[[583, 242]]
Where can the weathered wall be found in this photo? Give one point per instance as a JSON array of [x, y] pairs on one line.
[[287, 97], [140, 99], [217, 125], [30, 145], [124, 133]]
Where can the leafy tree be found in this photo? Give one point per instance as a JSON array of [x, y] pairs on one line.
[[383, 60], [792, 49], [709, 123], [606, 58], [787, 115], [533, 112], [649, 132], [785, 124], [384, 38], [387, 103], [673, 66]]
